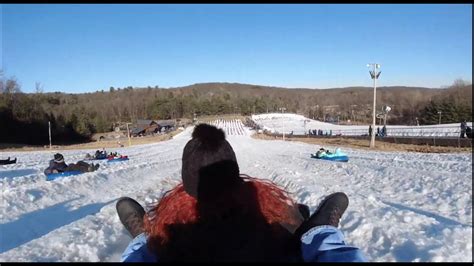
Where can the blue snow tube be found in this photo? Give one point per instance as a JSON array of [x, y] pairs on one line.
[[54, 176], [338, 156]]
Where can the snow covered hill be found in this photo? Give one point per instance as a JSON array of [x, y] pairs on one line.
[[288, 122], [403, 206]]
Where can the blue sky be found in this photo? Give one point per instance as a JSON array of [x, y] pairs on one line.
[[84, 48]]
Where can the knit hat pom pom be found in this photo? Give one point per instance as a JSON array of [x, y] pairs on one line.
[[208, 135]]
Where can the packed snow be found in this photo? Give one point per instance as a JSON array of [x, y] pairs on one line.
[[287, 122], [403, 206]]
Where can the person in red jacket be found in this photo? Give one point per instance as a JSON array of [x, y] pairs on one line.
[[218, 214]]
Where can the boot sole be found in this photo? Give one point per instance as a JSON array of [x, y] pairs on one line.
[[318, 209], [131, 203]]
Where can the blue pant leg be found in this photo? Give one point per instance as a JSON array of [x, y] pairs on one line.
[[137, 251], [326, 244]]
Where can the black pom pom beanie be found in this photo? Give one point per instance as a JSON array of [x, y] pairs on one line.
[[207, 147]]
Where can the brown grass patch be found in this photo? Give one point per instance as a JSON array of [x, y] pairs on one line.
[[364, 144], [92, 145]]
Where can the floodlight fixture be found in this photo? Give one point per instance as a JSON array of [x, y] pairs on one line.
[[374, 75]]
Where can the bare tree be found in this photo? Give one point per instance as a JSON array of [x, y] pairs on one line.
[[12, 86], [460, 83], [38, 88]]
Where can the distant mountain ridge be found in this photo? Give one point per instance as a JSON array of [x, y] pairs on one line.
[[253, 86]]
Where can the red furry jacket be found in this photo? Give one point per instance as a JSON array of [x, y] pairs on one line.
[[253, 221]]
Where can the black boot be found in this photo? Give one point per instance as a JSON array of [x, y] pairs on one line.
[[329, 212], [131, 215]]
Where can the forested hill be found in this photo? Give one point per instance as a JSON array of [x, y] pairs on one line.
[[77, 116]]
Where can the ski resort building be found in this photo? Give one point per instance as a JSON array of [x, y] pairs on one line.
[[146, 127]]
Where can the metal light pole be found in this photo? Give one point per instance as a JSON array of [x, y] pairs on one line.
[[374, 75]]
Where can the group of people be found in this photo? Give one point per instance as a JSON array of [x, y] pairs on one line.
[[380, 133], [113, 155], [98, 155], [58, 165], [218, 214], [466, 131], [319, 132], [102, 154]]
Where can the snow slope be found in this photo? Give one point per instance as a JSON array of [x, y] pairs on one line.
[[403, 206]]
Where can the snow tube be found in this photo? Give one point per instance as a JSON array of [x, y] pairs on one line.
[[54, 176], [342, 158], [338, 156], [118, 159], [101, 157]]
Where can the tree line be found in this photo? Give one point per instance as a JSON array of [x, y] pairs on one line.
[[76, 117]]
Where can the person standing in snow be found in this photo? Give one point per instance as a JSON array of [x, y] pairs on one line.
[[469, 132], [218, 214], [463, 128]]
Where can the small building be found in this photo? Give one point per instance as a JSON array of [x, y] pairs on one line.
[[166, 125], [146, 127]]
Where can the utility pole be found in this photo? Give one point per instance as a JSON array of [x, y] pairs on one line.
[[352, 113], [374, 75], [49, 126], [128, 133]]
